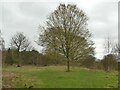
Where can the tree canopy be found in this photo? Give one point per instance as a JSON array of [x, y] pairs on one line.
[[20, 42]]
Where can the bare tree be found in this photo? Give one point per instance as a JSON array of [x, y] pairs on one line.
[[20, 42], [109, 50], [66, 33], [108, 45]]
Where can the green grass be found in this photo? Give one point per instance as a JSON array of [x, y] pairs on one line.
[[57, 77]]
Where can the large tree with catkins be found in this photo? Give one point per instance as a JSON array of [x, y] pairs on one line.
[[66, 33]]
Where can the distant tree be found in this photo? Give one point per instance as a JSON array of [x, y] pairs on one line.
[[54, 58], [35, 57], [66, 33], [9, 59], [98, 64], [89, 61], [27, 57], [15, 57], [20, 42], [108, 45], [109, 62]]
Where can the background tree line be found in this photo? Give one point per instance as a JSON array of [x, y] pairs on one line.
[[35, 58]]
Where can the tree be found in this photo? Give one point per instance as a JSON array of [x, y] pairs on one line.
[[54, 58], [108, 50], [108, 45], [9, 59], [66, 33], [20, 42], [109, 62], [89, 61]]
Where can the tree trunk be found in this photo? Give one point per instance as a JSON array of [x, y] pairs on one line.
[[68, 65]]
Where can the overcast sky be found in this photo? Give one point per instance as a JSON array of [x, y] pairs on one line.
[[25, 16]]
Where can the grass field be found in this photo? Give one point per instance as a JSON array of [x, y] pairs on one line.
[[57, 77]]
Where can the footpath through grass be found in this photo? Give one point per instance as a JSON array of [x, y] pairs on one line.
[[57, 77]]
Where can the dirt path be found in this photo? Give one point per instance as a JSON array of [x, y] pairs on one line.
[[7, 79]]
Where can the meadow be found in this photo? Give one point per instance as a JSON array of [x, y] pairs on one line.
[[57, 77]]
